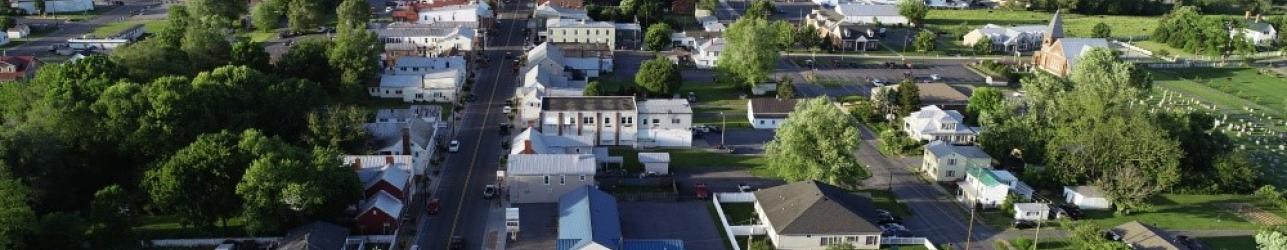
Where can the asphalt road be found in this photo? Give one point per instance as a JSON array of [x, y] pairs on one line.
[[464, 211], [40, 46]]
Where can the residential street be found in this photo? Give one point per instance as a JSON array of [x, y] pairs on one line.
[[464, 211], [40, 46]]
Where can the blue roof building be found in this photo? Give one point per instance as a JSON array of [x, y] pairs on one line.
[[588, 219]]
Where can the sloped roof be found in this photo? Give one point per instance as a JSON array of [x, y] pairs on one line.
[[1086, 191], [665, 106], [991, 177], [654, 157], [392, 174], [388, 134], [546, 52], [772, 107], [551, 164], [1074, 48], [1056, 27], [1144, 237], [930, 117], [518, 144], [854, 9], [548, 10], [383, 201], [1031, 207], [940, 149], [588, 216], [653, 245], [315, 236], [430, 62], [412, 112], [816, 208]]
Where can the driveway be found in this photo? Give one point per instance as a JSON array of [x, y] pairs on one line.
[[718, 179], [538, 227], [687, 221]]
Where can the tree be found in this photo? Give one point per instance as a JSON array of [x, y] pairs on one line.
[[760, 245], [1101, 30], [250, 54], [60, 230], [909, 97], [266, 14], [983, 46], [219, 13], [816, 142], [206, 47], [1235, 172], [40, 7], [1271, 240], [707, 4], [785, 88], [353, 13], [177, 21], [592, 89], [761, 9], [287, 185], [984, 100], [649, 12], [1007, 205], [657, 37], [748, 57], [7, 22], [152, 58], [198, 182], [301, 62], [1085, 235], [340, 127], [356, 56], [807, 37], [16, 216], [924, 41], [914, 10], [303, 15], [658, 77], [111, 218]]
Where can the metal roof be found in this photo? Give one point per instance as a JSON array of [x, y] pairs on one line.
[[551, 164], [588, 103], [867, 10], [589, 216], [654, 157], [940, 149], [665, 106]]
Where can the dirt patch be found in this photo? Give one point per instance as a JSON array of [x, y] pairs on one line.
[[1255, 214]]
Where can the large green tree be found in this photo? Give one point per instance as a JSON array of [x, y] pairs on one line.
[[177, 20], [817, 142], [658, 37], [111, 219], [198, 183], [220, 13], [760, 9], [340, 126], [207, 47], [356, 56], [658, 77], [909, 97], [750, 51], [16, 216], [304, 15], [925, 41], [913, 10], [287, 185], [983, 102], [1101, 30], [302, 61], [266, 14], [353, 13], [152, 58], [250, 54], [1271, 240]]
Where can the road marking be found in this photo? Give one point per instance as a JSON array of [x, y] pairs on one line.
[[455, 221]]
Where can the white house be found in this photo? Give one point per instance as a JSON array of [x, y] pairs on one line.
[[19, 31], [947, 163], [707, 54], [811, 215], [54, 6], [709, 22], [1257, 32], [427, 113], [934, 124], [656, 163], [419, 65], [1086, 197], [665, 123], [988, 188], [580, 31], [591, 120], [547, 11], [540, 81], [768, 113], [434, 86], [531, 141], [1031, 211], [122, 38], [1007, 38], [871, 14], [580, 63], [542, 178], [432, 38], [471, 13], [416, 138]]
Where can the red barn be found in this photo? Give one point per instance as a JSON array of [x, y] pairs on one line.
[[379, 215]]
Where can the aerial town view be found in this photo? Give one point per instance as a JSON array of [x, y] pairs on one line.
[[643, 124]]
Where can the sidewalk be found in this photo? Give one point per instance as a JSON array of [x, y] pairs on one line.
[[496, 233]]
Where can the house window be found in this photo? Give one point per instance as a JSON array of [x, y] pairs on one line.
[[871, 240], [655, 121], [628, 120], [547, 180], [588, 120], [761, 122], [644, 121], [563, 180], [951, 162], [582, 178], [607, 120], [397, 92], [674, 121], [951, 173]]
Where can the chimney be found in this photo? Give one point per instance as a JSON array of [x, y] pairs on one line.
[[406, 141], [527, 148], [357, 164]]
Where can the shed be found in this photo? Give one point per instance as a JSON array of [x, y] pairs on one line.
[[769, 113], [655, 163], [1031, 211], [1086, 197]]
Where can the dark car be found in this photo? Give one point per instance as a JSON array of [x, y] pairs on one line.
[[1071, 211], [457, 242], [433, 206], [504, 129], [888, 218], [489, 192], [1022, 224]]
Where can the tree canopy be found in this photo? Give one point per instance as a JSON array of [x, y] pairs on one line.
[[914, 10], [658, 77], [751, 48], [817, 142], [657, 37]]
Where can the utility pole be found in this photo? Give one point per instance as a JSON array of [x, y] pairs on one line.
[[1036, 239], [723, 125], [969, 231]]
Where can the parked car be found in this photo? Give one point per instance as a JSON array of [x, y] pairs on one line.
[[506, 109], [743, 187], [877, 82], [454, 146], [489, 192], [895, 230], [888, 219], [433, 206], [457, 242], [1022, 224], [504, 129], [1071, 211], [701, 190]]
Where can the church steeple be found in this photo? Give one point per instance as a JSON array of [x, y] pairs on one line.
[[1055, 31]]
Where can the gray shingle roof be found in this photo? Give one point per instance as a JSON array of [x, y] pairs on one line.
[[1145, 237], [812, 207], [587, 103], [772, 107], [1075, 47], [1056, 26], [315, 236]]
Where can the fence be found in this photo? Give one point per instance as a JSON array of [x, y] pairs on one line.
[[747, 230], [736, 197], [259, 240], [908, 241], [723, 219]]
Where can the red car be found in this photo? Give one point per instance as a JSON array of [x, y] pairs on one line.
[[702, 192], [433, 206]]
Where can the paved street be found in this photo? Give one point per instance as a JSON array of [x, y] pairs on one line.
[[40, 46], [464, 211]]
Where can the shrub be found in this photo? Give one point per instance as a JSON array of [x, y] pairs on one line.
[[1021, 243]]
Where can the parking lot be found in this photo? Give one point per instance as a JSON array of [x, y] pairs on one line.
[[833, 77], [741, 140], [538, 227], [688, 221]]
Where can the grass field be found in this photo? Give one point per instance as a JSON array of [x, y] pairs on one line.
[[739, 213], [1156, 46], [151, 26], [1187, 212], [1232, 88], [168, 227], [1075, 25], [713, 98]]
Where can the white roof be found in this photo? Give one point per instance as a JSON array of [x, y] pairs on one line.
[[665, 106], [384, 202], [928, 119], [550, 11], [574, 23], [519, 143], [712, 45], [940, 149], [394, 174], [430, 62], [444, 79], [1031, 207], [377, 161], [547, 53], [386, 135], [864, 10], [551, 164], [654, 157], [428, 112]]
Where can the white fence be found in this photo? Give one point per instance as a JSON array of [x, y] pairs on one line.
[[260, 240], [908, 241], [747, 230], [736, 197], [723, 219]]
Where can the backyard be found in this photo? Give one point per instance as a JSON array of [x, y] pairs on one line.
[[1075, 25], [1189, 212], [713, 98], [694, 158], [150, 26], [169, 227]]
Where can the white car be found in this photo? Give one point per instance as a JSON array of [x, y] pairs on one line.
[[506, 109], [878, 82], [454, 146]]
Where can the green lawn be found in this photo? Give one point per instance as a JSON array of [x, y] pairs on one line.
[[76, 16], [1075, 25], [713, 98], [259, 36], [697, 158], [1188, 212], [1232, 88], [739, 213], [1229, 242], [168, 227], [1156, 46], [151, 26], [741, 241], [1054, 245], [884, 199]]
